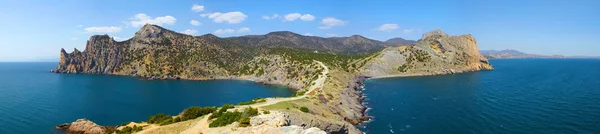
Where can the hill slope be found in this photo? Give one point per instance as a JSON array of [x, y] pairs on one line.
[[328, 71]]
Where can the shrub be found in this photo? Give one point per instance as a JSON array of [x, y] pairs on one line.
[[194, 112], [176, 119], [230, 117], [266, 112], [158, 118], [304, 109], [124, 123], [166, 122], [257, 100], [244, 122], [299, 93]]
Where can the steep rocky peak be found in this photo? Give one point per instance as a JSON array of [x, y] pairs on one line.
[[436, 32], [149, 31], [356, 39], [62, 51]]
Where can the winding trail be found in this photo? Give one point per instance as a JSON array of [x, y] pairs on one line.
[[319, 82], [202, 125]]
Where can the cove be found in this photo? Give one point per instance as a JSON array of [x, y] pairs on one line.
[[519, 96], [33, 100]]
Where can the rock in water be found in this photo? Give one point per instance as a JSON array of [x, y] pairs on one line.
[[82, 126]]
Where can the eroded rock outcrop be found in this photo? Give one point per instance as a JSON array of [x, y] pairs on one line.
[[281, 58], [83, 126], [435, 54]]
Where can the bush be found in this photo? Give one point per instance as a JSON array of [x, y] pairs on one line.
[[299, 93], [194, 112], [244, 122], [304, 109], [124, 123], [229, 117], [266, 112], [221, 111], [126, 130], [159, 118], [257, 100], [166, 122]]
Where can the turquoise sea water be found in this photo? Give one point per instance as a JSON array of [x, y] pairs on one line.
[[33, 100], [519, 96]]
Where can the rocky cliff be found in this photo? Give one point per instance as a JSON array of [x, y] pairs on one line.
[[282, 58], [436, 53]]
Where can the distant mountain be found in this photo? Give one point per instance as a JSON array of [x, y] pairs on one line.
[[353, 45], [513, 54], [399, 42]]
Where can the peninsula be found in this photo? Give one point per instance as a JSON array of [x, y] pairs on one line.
[[326, 73]]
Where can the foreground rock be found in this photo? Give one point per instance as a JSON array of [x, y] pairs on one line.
[[83, 126]]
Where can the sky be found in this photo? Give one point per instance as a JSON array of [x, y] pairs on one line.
[[33, 30]]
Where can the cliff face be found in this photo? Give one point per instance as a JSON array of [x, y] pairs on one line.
[[281, 58], [436, 53], [101, 56]]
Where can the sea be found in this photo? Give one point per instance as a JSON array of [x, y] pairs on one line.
[[537, 96], [34, 100]]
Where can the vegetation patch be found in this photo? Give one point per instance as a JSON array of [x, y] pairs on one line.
[[227, 118], [254, 101], [304, 109]]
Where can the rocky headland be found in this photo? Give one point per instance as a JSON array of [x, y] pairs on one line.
[[326, 72]]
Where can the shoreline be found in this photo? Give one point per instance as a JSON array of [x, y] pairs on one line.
[[362, 88]]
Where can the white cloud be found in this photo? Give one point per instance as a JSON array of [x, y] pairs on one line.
[[197, 8], [331, 22], [230, 17], [308, 34], [74, 38], [331, 35], [409, 30], [190, 31], [230, 31], [119, 38], [110, 29], [195, 23], [295, 16], [387, 27], [142, 19], [274, 16], [307, 17], [224, 31], [79, 25], [243, 30], [292, 16]]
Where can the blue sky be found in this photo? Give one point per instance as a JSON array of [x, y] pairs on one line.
[[36, 30]]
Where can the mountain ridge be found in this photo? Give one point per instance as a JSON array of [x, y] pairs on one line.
[[280, 58], [514, 54]]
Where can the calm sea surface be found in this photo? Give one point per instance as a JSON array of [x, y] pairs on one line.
[[33, 100], [519, 96]]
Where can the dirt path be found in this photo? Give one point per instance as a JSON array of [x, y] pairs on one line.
[[318, 85], [202, 125]]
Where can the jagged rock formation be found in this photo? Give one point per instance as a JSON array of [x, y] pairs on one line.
[[83, 126], [436, 53], [513, 54], [282, 58]]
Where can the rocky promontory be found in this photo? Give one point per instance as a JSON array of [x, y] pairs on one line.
[[326, 72]]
